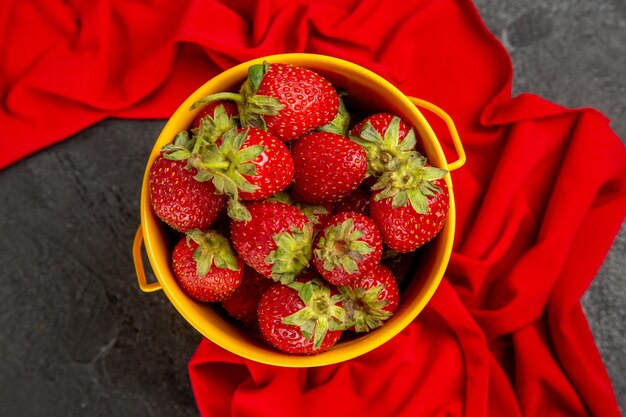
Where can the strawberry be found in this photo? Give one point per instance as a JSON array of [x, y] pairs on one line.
[[276, 241], [178, 199], [304, 317], [206, 267], [309, 100], [349, 247], [327, 167], [387, 140], [357, 201], [242, 304], [245, 164], [286, 100], [410, 204], [370, 300]]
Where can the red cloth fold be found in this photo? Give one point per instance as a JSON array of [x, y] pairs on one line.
[[539, 201]]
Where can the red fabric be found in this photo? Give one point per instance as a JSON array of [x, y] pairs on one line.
[[539, 201]]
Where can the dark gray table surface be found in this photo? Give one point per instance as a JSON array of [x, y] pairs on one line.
[[79, 339]]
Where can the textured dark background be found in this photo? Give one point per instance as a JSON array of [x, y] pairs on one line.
[[79, 339]]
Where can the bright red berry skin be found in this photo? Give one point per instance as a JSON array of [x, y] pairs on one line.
[[243, 303], [310, 100], [179, 200], [403, 229], [216, 285], [278, 302], [209, 109], [328, 167], [254, 240], [331, 245]]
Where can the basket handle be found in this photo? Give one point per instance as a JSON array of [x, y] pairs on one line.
[[456, 140], [144, 285]]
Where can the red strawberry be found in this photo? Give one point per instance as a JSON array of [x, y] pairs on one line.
[[304, 317], [357, 201], [287, 100], [349, 247], [327, 167], [246, 164], [178, 199], [370, 300], [410, 204], [276, 241], [387, 140], [242, 304], [206, 267], [309, 100]]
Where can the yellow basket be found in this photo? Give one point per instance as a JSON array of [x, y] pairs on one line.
[[363, 86]]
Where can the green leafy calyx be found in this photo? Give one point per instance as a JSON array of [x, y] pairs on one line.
[[410, 183], [213, 250], [341, 246], [292, 254], [181, 149], [255, 106], [385, 153], [321, 312], [255, 76], [364, 310], [227, 165], [212, 127]]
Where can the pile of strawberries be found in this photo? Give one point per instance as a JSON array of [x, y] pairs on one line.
[[287, 207]]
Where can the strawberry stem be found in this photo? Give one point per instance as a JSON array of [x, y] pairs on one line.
[[237, 98], [217, 165]]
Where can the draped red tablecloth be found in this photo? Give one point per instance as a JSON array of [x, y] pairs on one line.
[[539, 201]]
